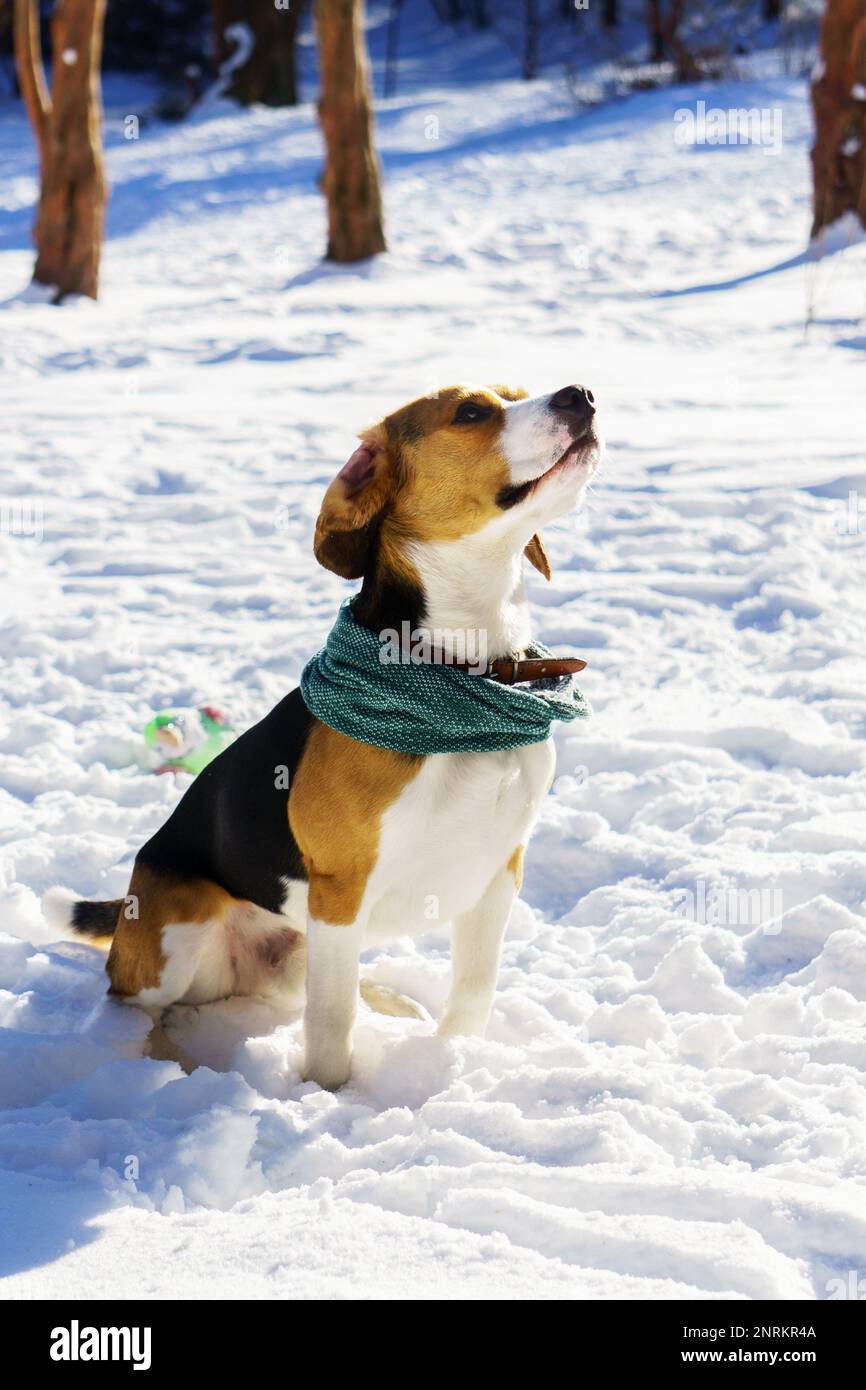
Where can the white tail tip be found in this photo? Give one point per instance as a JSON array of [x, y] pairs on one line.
[[57, 905]]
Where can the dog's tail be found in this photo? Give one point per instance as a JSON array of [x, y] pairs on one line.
[[65, 912]]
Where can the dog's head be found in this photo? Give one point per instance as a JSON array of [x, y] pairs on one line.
[[468, 464]]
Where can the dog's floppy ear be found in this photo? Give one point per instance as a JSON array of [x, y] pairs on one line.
[[537, 556], [351, 507], [511, 393]]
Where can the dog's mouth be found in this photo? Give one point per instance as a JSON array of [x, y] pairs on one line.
[[580, 450], [570, 456], [577, 450]]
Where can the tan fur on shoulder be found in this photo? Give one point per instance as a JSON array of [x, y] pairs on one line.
[[341, 790]]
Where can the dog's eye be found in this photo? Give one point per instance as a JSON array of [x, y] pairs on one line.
[[471, 413]]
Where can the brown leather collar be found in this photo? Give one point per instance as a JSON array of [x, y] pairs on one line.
[[510, 670]]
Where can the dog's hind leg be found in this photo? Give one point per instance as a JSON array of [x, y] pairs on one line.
[[169, 946]]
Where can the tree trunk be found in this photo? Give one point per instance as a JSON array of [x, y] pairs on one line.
[[350, 181], [654, 25], [31, 74], [67, 126], [664, 27], [839, 105], [687, 69], [269, 74]]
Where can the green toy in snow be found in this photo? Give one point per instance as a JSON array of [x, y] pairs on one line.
[[187, 740]]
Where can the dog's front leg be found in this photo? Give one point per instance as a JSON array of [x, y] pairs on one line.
[[476, 941], [332, 1000]]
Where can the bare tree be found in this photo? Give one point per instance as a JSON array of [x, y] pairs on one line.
[[839, 104], [268, 72], [351, 180], [656, 33], [665, 25], [67, 126], [687, 69]]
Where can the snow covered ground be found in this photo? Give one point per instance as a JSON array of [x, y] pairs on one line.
[[670, 1102]]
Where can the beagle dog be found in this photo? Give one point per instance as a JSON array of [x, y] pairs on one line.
[[299, 846]]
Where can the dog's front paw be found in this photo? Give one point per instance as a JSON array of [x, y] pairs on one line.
[[330, 1070], [463, 1024]]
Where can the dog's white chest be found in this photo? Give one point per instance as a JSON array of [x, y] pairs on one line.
[[453, 827]]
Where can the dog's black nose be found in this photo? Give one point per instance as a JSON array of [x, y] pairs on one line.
[[577, 402]]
